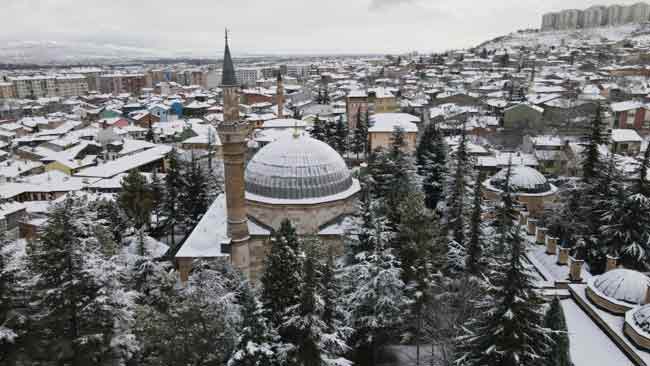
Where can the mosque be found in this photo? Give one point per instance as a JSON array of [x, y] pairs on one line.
[[295, 177]]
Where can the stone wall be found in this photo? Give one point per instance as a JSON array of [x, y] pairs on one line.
[[596, 16]]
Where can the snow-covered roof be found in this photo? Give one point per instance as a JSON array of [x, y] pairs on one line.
[[284, 123], [623, 285], [625, 135], [297, 168], [626, 106], [126, 163], [386, 122]]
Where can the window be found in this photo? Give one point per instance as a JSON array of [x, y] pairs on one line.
[[623, 147]]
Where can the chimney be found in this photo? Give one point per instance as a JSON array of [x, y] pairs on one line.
[[280, 95]]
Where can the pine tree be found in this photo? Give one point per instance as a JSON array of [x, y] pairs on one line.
[[509, 329], [281, 277], [431, 160], [258, 343], [558, 352], [397, 142], [73, 308], [341, 137], [113, 218], [304, 326], [318, 130], [360, 136], [157, 190], [135, 199], [171, 208], [474, 260], [591, 162], [194, 197], [10, 318], [459, 195], [198, 325], [374, 299]]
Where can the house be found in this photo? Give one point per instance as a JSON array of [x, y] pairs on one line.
[[160, 112], [625, 142], [523, 116], [382, 127], [549, 152], [630, 114]]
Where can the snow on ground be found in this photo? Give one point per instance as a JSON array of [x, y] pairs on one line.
[[547, 264], [590, 345], [613, 322]]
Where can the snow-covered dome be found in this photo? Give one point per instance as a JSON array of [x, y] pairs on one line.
[[623, 285], [296, 168], [641, 318], [522, 179]]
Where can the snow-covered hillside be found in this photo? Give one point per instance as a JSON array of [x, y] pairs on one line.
[[638, 33]]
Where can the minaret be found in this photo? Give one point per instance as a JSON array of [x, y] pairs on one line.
[[280, 95], [233, 133]]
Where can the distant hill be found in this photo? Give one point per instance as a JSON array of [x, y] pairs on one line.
[[54, 52], [637, 33]]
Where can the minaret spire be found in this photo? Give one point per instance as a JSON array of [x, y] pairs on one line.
[[228, 77]]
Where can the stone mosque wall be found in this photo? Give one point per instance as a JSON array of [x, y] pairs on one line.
[[596, 16]]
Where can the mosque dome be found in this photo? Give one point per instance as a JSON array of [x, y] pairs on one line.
[[523, 179], [298, 168], [623, 285]]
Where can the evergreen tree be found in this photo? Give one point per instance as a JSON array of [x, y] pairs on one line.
[[460, 193], [509, 329], [558, 352], [74, 310], [431, 158], [258, 343], [10, 318], [304, 326], [281, 277], [198, 324], [318, 130], [194, 200], [157, 190], [341, 137], [135, 199], [171, 208], [360, 136], [374, 298], [591, 162], [397, 143], [113, 218], [474, 260]]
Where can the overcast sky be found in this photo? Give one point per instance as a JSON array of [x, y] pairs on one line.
[[280, 26]]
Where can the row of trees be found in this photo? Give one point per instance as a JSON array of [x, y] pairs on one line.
[[606, 212], [340, 138]]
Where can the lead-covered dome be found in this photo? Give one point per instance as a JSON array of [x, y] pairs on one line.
[[297, 168], [623, 285], [522, 180]]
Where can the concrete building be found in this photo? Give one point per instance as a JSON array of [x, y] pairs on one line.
[[7, 90], [248, 76], [49, 86], [596, 16], [356, 107], [123, 83]]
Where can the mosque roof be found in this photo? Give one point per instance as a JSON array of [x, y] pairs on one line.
[[298, 169]]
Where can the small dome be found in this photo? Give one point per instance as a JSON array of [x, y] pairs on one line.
[[297, 167], [641, 317], [623, 285], [522, 179]]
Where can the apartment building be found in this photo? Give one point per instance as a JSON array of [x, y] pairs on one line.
[[49, 86], [123, 83], [247, 76], [7, 90]]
